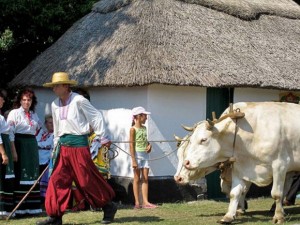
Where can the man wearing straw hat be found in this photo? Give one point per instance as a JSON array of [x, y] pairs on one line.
[[72, 115]]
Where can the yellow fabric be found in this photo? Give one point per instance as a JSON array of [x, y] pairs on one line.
[[99, 161]]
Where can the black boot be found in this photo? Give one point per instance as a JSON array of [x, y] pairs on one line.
[[50, 221], [109, 210]]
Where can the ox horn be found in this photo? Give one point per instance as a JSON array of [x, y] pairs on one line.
[[230, 108], [210, 124], [178, 138], [188, 128], [214, 116]]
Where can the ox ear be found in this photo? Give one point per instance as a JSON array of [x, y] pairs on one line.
[[210, 124], [178, 139]]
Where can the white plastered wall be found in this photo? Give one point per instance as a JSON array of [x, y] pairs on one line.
[[170, 106]]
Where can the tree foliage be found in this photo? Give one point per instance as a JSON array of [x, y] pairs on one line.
[[6, 40], [28, 27]]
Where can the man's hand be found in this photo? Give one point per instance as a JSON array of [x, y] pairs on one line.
[[107, 144]]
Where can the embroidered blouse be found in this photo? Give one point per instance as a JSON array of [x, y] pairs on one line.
[[45, 144], [76, 117], [22, 123], [5, 129]]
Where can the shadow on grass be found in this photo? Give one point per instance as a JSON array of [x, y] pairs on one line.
[[143, 219], [291, 215], [79, 223]]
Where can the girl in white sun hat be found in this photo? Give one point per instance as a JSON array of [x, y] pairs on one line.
[[139, 150]]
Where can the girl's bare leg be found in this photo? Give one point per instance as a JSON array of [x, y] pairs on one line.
[[136, 181]]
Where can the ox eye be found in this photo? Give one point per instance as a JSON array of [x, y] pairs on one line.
[[203, 140]]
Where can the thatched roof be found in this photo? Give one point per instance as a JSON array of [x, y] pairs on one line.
[[209, 43]]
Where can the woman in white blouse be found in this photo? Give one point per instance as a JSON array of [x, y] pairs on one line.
[[25, 123]]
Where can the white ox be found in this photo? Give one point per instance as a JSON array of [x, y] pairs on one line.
[[262, 140], [224, 167]]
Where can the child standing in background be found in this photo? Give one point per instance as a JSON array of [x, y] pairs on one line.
[[45, 146], [139, 150]]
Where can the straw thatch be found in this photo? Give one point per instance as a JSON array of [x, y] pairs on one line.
[[209, 43], [245, 9]]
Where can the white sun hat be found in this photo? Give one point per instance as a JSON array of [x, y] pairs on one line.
[[139, 110]]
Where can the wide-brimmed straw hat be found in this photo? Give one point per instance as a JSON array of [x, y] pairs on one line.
[[60, 78]]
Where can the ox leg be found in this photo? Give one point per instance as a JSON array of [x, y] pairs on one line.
[[235, 194], [279, 175], [243, 205], [287, 185], [225, 187], [288, 182]]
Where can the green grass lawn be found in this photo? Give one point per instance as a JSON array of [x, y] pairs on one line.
[[191, 213]]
